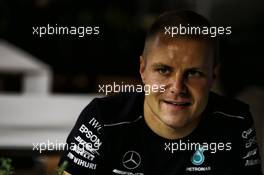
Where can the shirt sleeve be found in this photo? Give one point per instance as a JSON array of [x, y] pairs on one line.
[[250, 161], [84, 149]]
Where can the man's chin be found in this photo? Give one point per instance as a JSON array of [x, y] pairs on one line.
[[177, 123]]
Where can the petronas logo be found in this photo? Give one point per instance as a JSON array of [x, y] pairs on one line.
[[198, 157]]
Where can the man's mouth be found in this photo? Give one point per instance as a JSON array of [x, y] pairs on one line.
[[178, 103]]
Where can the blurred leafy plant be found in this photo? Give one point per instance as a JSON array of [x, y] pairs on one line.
[[61, 168], [5, 166]]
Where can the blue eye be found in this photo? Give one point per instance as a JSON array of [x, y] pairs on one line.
[[194, 73], [163, 71]]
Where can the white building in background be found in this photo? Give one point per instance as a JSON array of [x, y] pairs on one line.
[[37, 75], [35, 115]]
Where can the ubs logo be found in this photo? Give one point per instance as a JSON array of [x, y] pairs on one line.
[[131, 160]]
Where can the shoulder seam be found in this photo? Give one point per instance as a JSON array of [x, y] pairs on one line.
[[122, 123], [229, 115]]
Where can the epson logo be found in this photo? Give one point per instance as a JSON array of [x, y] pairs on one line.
[[89, 134]]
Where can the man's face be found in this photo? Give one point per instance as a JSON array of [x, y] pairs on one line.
[[185, 68]]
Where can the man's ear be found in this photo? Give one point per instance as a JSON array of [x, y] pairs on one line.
[[215, 76], [142, 66], [216, 85], [216, 71]]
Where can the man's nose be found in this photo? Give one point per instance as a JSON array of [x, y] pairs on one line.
[[177, 84]]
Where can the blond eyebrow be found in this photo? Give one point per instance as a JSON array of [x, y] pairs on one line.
[[155, 65], [194, 68], [162, 65], [204, 68]]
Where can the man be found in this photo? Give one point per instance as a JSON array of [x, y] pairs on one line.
[[182, 128]]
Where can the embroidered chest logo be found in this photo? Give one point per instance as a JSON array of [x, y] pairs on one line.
[[198, 157], [131, 160]]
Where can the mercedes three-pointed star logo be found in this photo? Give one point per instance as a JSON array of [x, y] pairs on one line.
[[131, 160]]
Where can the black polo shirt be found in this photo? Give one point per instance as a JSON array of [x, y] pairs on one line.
[[111, 137]]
